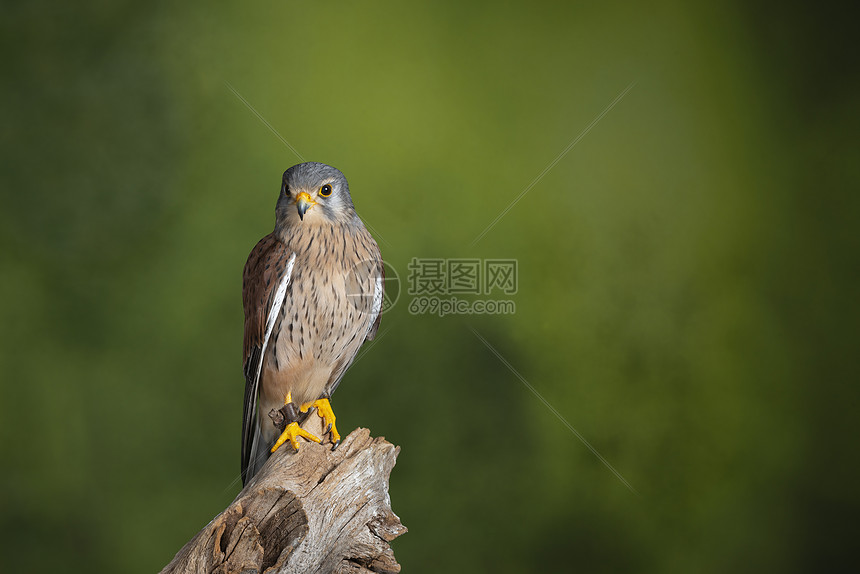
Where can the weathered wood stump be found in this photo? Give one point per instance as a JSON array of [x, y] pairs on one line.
[[315, 510]]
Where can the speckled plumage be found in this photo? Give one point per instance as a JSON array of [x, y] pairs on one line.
[[328, 309]]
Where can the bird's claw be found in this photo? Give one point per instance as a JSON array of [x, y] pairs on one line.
[[292, 434], [323, 407]]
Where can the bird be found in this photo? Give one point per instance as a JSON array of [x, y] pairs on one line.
[[312, 294]]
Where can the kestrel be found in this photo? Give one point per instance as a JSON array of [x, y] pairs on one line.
[[312, 292]]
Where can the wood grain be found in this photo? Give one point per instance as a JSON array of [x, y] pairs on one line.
[[316, 510]]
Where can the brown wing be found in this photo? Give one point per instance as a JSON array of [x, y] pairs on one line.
[[264, 271]]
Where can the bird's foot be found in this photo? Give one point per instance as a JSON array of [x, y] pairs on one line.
[[285, 419], [323, 407], [292, 434]]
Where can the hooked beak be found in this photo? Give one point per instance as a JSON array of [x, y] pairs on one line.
[[304, 203]]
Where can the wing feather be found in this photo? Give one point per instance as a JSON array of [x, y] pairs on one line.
[[378, 299], [265, 282]]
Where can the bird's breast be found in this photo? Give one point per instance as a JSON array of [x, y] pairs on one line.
[[324, 318]]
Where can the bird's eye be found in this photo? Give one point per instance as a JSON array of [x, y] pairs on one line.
[[325, 190]]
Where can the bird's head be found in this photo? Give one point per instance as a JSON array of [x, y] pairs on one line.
[[314, 194]]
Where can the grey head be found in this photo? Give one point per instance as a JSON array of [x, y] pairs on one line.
[[313, 194]]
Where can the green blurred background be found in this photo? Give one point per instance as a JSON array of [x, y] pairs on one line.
[[687, 273]]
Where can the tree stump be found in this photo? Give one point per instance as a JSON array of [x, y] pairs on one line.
[[315, 510]]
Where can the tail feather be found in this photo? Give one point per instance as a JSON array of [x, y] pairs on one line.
[[259, 455]]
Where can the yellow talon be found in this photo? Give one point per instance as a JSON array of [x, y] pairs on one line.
[[293, 431], [323, 407], [292, 434]]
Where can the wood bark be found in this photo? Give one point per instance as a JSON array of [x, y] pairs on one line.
[[315, 510]]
